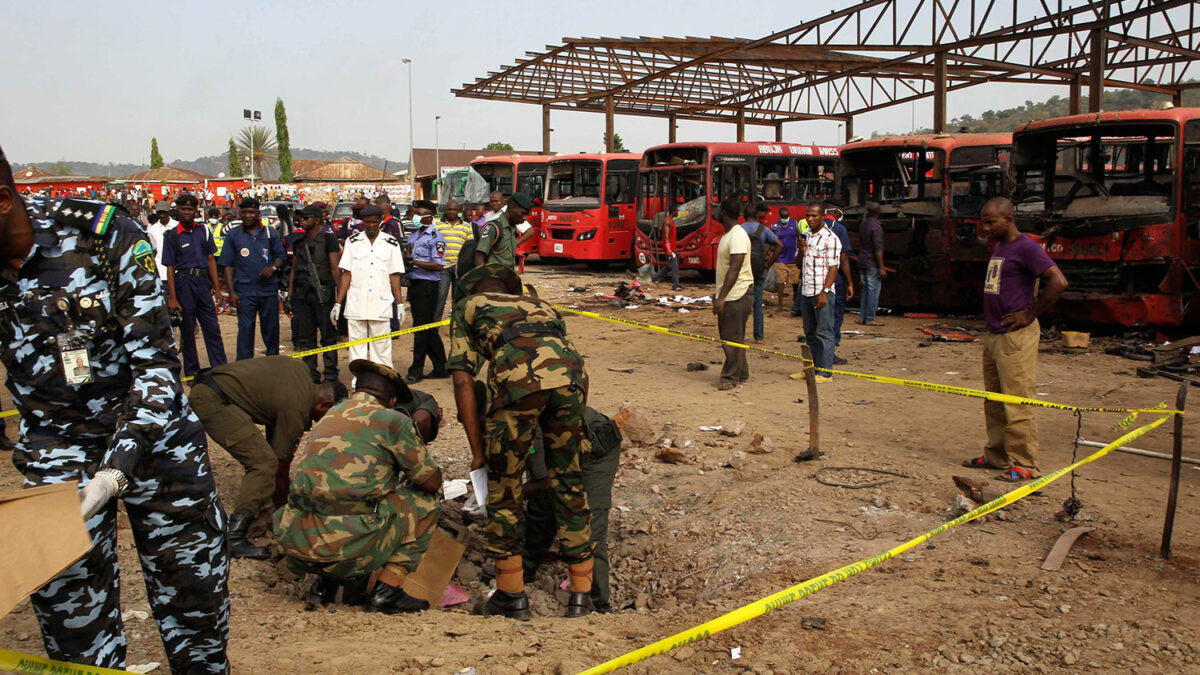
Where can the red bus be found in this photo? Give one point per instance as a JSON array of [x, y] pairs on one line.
[[588, 207], [931, 189], [696, 177], [527, 173], [1115, 199]]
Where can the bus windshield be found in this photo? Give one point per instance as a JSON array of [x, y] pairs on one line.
[[683, 189], [574, 183], [499, 176], [895, 175]]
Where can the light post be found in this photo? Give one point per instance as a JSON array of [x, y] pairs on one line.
[[252, 116], [412, 174], [437, 148]]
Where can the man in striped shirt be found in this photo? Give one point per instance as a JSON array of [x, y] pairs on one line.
[[455, 231], [822, 256]]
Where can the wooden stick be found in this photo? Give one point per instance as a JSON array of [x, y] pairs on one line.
[[814, 404], [1176, 461]]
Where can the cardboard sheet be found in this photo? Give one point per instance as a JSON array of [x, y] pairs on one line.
[[41, 534], [436, 569]]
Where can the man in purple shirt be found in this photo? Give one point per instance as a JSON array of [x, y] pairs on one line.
[[188, 254], [786, 272], [1011, 306], [871, 271]]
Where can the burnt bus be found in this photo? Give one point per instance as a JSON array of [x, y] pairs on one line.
[[931, 189], [1115, 199]]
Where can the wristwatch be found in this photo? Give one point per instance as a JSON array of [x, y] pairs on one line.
[[829, 290], [122, 481]]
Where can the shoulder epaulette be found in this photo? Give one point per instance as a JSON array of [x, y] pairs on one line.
[[87, 215]]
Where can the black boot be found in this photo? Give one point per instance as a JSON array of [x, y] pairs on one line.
[[239, 545], [354, 591], [579, 604], [511, 605], [322, 592], [392, 600]]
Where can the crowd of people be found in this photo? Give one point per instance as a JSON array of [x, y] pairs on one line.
[[103, 400]]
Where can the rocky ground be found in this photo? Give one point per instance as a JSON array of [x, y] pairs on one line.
[[730, 523]]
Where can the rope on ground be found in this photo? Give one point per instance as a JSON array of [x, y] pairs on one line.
[[856, 486]]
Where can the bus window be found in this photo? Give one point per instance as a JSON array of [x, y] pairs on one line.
[[732, 181], [812, 181], [532, 184], [1191, 189], [619, 187], [773, 179]]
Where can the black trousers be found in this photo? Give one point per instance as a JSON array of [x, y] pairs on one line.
[[310, 316], [422, 296]]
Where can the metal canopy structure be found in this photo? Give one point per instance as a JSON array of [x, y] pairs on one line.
[[871, 55]]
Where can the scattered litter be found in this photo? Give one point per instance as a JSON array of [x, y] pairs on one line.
[[852, 332], [453, 595], [453, 489], [683, 310], [718, 427], [1043, 393], [144, 668], [621, 370], [863, 402], [578, 289], [735, 653], [951, 372], [696, 365], [622, 508], [134, 614], [566, 583], [813, 623], [632, 306], [943, 332], [629, 293]]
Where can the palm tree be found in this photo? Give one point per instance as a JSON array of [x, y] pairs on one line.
[[266, 150]]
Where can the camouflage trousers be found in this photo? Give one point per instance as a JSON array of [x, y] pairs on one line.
[[348, 545], [508, 438], [179, 529]]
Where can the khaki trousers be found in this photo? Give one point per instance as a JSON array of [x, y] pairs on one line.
[[1010, 367]]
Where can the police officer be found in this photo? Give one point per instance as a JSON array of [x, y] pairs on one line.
[[78, 283], [366, 496], [498, 242], [428, 258], [252, 255], [188, 251], [312, 286], [535, 376]]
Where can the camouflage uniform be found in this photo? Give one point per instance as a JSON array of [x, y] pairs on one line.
[[535, 378], [498, 242], [90, 283], [354, 506]]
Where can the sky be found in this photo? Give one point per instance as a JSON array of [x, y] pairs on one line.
[[91, 81]]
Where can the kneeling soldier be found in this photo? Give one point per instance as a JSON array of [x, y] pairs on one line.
[[366, 496]]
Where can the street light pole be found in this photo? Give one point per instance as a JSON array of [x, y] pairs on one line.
[[412, 175], [437, 148]]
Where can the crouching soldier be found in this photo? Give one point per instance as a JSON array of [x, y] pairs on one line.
[[366, 495]]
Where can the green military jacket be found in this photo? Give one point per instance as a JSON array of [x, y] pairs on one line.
[[342, 500], [522, 363], [498, 242]]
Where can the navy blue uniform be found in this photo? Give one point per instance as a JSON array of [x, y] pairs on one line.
[[428, 245], [248, 253], [187, 250], [87, 307]]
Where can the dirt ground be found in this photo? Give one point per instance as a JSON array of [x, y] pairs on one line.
[[692, 541]]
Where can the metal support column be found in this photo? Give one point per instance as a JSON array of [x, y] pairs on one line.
[[741, 125], [1096, 79], [608, 123], [939, 93], [779, 132], [1076, 95], [1177, 98], [546, 128], [849, 128], [672, 125]]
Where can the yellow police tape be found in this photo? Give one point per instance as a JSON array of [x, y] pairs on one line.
[[15, 662], [789, 595], [915, 384]]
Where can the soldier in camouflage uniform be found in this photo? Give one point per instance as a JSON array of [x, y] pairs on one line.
[[366, 495], [498, 241], [535, 377], [78, 284]]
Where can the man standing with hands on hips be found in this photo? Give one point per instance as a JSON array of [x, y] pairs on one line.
[[1011, 306], [251, 256], [371, 265]]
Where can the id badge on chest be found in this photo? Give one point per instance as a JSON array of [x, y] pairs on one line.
[[75, 359]]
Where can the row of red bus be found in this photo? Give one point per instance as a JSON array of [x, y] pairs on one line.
[[1113, 197]]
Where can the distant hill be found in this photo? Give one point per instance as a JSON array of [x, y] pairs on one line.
[[1009, 119], [210, 165]]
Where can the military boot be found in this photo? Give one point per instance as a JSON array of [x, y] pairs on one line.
[[239, 545], [511, 605], [322, 592], [392, 600], [354, 591], [579, 604]]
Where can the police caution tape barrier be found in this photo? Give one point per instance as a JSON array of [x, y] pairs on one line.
[[915, 384], [330, 348], [14, 662], [790, 595]]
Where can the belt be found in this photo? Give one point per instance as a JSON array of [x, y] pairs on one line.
[[363, 508], [519, 329], [192, 271]]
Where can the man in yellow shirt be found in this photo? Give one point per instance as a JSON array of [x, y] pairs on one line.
[[731, 303], [456, 232]]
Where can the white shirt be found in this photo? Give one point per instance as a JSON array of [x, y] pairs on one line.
[[371, 265], [155, 232], [824, 251]]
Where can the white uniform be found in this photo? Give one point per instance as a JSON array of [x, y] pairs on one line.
[[369, 299], [155, 232]]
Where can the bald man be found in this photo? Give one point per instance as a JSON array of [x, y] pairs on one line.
[[1011, 306]]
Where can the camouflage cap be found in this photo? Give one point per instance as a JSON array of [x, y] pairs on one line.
[[364, 366], [512, 282]]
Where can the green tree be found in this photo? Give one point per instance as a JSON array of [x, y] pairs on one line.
[[497, 145], [60, 168], [285, 149], [265, 151], [156, 159], [235, 162], [618, 144]]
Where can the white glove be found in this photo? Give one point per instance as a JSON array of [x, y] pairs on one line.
[[96, 493], [335, 313], [401, 313]]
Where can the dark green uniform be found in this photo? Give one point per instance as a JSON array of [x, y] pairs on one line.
[[355, 505], [535, 377], [498, 242], [274, 391]]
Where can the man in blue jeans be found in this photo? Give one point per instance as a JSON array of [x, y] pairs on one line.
[[821, 258], [870, 264], [771, 247], [252, 255]]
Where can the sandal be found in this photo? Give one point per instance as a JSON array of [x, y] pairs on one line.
[[1015, 474], [980, 462], [726, 386]]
